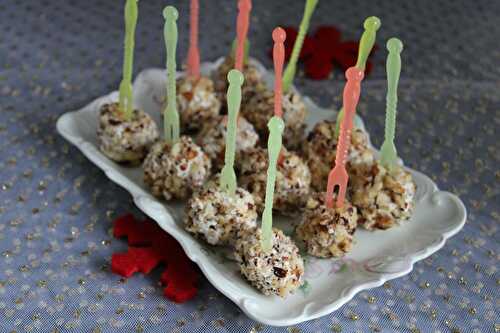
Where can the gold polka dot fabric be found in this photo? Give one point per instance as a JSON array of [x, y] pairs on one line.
[[56, 208]]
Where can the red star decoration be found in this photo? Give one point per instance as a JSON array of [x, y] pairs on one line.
[[323, 50], [150, 246]]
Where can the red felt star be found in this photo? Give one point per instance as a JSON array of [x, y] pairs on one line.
[[148, 247], [323, 50], [137, 233], [136, 259]]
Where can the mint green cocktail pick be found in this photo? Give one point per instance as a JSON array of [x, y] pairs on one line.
[[276, 127], [299, 41], [228, 176], [171, 117], [126, 98], [371, 25], [388, 153]]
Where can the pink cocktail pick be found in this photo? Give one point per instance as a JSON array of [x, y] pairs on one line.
[[193, 61], [279, 37], [244, 7], [338, 175]]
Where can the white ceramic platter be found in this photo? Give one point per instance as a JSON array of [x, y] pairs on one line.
[[377, 256]]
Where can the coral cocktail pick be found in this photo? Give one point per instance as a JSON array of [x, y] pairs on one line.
[[126, 98], [338, 175], [279, 36], [388, 154], [193, 61], [244, 7], [228, 177], [171, 117], [276, 127], [299, 41], [371, 25]]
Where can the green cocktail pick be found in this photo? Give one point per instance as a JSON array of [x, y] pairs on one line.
[[228, 176], [371, 25], [126, 98], [171, 117], [388, 153], [304, 26], [276, 127]]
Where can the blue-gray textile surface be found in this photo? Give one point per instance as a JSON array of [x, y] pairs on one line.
[[56, 207]]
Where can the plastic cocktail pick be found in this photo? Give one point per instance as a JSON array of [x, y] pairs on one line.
[[338, 175], [228, 177], [371, 25], [193, 61], [171, 117], [279, 36], [388, 153], [276, 127], [126, 98], [304, 26], [244, 7]]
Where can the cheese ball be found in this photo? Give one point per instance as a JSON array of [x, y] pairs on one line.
[[252, 75], [212, 139], [383, 197], [216, 217], [320, 149], [292, 179], [327, 232], [277, 272], [197, 102], [260, 108], [175, 171], [125, 140]]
